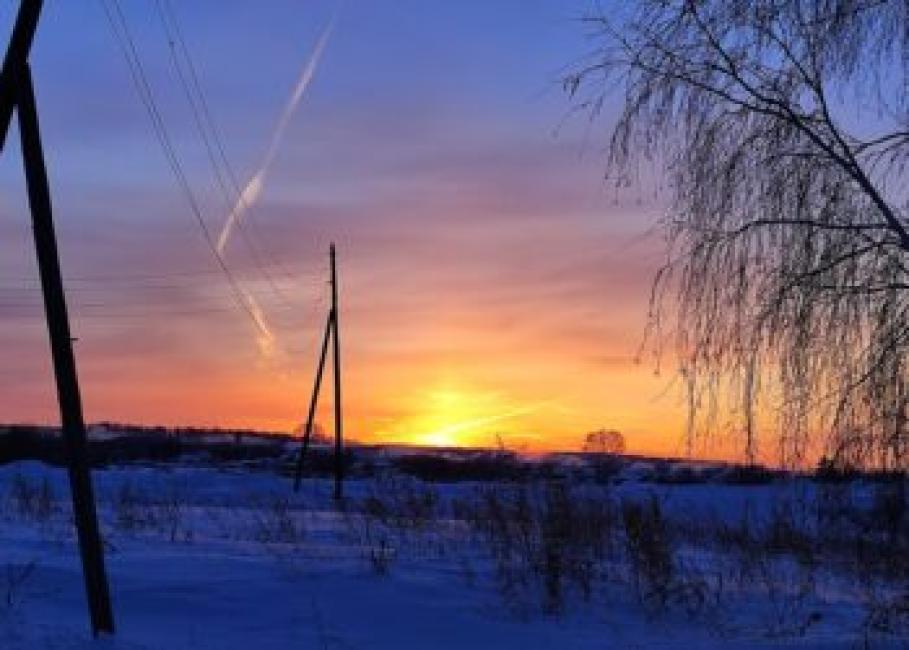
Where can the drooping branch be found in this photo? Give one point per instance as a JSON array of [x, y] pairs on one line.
[[787, 273]]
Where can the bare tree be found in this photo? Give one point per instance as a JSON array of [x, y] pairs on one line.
[[604, 441], [784, 132]]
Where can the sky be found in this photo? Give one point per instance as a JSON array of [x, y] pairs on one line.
[[493, 286]]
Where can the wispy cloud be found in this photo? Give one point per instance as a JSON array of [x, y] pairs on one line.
[[253, 188], [472, 423]]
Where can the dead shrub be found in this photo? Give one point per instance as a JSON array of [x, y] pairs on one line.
[[543, 543], [381, 556], [402, 503], [15, 578], [276, 522], [886, 613], [32, 501], [131, 508], [135, 510], [650, 551]]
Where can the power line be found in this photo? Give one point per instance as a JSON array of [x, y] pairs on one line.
[[140, 314], [165, 7], [142, 281], [25, 302], [33, 300], [128, 48], [161, 275], [126, 314], [204, 124], [29, 286]]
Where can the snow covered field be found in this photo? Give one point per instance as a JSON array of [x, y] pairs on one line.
[[206, 558]]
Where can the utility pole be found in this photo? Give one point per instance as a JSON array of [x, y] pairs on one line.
[[307, 431], [336, 340], [17, 92], [331, 333]]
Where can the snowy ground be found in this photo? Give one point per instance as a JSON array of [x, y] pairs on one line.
[[200, 558]]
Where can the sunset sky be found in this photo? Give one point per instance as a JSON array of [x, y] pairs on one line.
[[491, 281]]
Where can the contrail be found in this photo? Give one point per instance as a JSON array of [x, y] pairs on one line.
[[490, 419], [265, 338], [253, 188]]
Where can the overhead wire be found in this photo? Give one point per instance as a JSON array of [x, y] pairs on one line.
[[120, 28], [89, 309], [262, 259], [232, 176], [253, 188], [164, 281], [208, 132], [175, 279], [132, 288]]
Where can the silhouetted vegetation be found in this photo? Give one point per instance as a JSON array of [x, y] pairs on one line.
[[547, 543], [780, 128], [120, 444]]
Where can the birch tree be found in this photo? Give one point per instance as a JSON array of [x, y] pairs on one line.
[[783, 132]]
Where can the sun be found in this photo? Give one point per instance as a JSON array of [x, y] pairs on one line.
[[440, 438], [454, 415], [447, 415], [440, 424]]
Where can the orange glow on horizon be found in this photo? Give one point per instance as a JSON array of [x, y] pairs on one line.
[[491, 291], [452, 416]]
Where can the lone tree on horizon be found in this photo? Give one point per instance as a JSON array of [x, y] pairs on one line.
[[783, 129], [604, 441]]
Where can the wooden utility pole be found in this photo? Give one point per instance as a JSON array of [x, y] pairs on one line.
[[331, 332], [307, 431], [17, 92], [336, 341]]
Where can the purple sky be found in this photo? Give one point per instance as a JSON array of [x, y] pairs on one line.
[[492, 282]]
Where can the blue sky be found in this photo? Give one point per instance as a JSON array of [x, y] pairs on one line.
[[484, 256]]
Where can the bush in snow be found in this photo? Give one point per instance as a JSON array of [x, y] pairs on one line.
[[34, 501]]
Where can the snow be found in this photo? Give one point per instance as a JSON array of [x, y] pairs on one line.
[[216, 580]]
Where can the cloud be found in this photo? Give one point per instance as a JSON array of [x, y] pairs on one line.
[[254, 186]]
